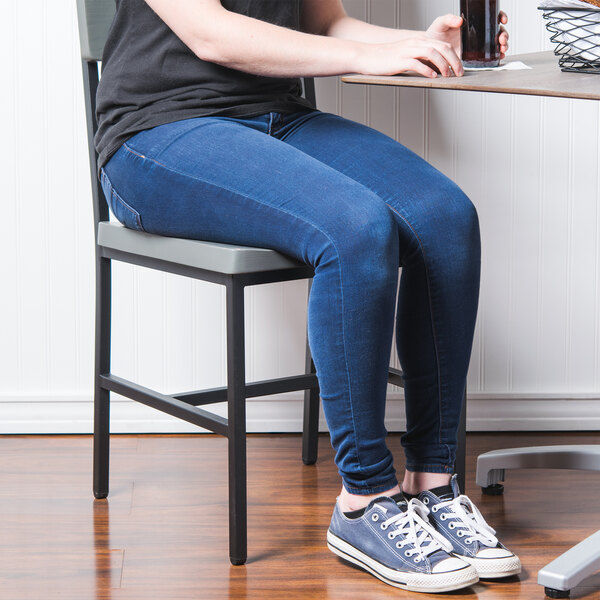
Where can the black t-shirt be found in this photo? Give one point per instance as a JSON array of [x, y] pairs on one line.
[[150, 77]]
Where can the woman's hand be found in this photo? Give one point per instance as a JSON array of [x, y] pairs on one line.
[[448, 29], [420, 54]]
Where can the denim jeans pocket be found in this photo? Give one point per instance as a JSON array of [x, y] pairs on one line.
[[125, 213]]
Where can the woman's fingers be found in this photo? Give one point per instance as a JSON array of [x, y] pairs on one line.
[[433, 58], [425, 56], [412, 64], [446, 29], [503, 37], [454, 60], [503, 41], [445, 23], [429, 56], [443, 56]]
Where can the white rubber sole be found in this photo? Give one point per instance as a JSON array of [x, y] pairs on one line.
[[493, 568], [413, 582]]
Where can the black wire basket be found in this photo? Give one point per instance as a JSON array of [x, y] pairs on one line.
[[576, 33]]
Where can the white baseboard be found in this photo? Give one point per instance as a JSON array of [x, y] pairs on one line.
[[486, 412]]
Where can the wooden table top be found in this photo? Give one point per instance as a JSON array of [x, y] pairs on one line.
[[544, 79]]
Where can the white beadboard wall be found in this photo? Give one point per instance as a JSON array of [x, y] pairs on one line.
[[529, 164]]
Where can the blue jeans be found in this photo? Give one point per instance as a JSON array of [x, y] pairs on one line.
[[356, 205]]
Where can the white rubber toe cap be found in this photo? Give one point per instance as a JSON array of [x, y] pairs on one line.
[[449, 564]]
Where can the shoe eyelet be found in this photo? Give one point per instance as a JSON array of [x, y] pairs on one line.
[[391, 535], [383, 526], [425, 500], [375, 517], [434, 509], [451, 525], [408, 553], [417, 559], [460, 533], [468, 541], [442, 517], [399, 545]]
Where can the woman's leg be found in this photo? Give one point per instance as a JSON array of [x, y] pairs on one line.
[[439, 252], [231, 181], [437, 304]]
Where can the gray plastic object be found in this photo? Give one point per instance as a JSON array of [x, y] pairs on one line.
[[581, 561], [491, 465], [211, 256], [94, 17], [572, 567]]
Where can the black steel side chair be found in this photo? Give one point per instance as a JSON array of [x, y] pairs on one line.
[[235, 267]]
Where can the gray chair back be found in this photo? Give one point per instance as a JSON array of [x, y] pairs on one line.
[[94, 18]]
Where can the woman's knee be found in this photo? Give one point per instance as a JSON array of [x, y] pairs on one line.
[[451, 218], [364, 237], [440, 225], [454, 206]]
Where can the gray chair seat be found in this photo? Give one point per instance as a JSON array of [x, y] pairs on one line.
[[211, 256]]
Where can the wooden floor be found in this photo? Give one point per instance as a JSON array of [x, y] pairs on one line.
[[162, 532]]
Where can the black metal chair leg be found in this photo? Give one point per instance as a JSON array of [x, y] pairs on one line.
[[236, 414], [310, 428], [461, 449], [101, 366], [310, 432]]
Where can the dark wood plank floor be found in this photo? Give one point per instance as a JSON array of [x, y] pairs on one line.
[[162, 533]]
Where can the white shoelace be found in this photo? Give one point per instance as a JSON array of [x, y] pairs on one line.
[[468, 520], [414, 525]]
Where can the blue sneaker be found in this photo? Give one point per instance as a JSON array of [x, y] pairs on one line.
[[473, 540], [397, 544]]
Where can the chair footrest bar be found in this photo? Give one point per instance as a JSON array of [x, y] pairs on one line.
[[167, 404], [254, 389]]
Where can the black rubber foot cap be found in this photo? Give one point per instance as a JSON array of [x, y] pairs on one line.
[[309, 461], [496, 489], [237, 561], [99, 496], [552, 593]]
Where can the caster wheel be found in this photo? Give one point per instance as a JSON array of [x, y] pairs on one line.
[[552, 593], [496, 489]]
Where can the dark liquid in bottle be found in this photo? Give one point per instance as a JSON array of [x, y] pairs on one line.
[[480, 32]]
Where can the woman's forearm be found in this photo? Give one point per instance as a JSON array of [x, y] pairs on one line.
[[239, 42], [347, 28], [254, 46]]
